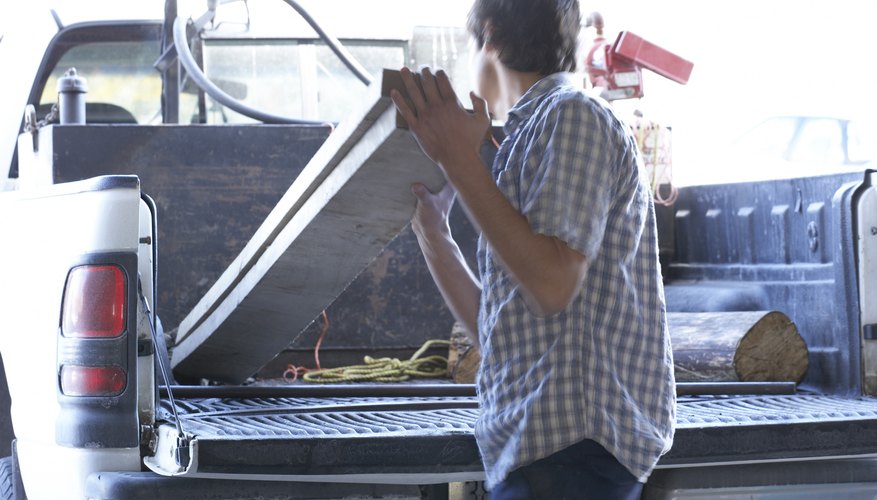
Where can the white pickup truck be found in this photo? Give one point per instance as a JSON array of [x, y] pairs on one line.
[[110, 224]]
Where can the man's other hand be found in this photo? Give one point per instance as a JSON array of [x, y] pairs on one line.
[[433, 209]]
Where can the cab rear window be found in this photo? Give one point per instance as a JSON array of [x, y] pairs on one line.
[[123, 85]]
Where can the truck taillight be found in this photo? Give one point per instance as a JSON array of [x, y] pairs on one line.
[[106, 381], [94, 302], [97, 353]]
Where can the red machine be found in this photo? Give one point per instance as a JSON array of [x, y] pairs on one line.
[[617, 68]]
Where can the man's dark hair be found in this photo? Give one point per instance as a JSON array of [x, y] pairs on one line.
[[530, 35]]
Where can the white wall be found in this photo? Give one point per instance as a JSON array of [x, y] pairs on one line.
[[752, 58]]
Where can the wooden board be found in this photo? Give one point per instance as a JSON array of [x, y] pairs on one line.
[[346, 205]]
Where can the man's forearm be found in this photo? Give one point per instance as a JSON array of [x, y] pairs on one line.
[[453, 277], [548, 271]]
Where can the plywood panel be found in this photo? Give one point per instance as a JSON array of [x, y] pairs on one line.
[[213, 187], [348, 203]]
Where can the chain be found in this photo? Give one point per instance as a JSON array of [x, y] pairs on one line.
[[32, 125]]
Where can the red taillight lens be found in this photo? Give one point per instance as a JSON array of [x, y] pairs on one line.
[[94, 302], [93, 380]]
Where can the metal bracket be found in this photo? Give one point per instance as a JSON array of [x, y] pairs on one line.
[[182, 451], [148, 439]]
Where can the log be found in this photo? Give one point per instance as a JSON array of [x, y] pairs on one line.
[[745, 346], [347, 204], [758, 346], [463, 356]]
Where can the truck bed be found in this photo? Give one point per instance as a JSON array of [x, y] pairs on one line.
[[426, 439]]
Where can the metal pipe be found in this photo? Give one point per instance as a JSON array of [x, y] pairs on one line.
[[333, 43], [734, 388], [442, 390], [323, 390]]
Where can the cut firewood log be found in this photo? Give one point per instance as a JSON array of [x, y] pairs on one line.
[[744, 346], [463, 356]]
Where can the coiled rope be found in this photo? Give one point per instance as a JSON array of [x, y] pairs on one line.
[[386, 369]]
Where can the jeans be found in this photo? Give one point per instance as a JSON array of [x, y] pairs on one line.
[[584, 471]]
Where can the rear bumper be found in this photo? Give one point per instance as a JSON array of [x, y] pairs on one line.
[[802, 480], [149, 486], [49, 471]]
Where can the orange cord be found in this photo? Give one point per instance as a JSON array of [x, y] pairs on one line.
[[291, 369], [294, 371]]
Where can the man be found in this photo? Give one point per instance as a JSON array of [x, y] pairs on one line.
[[576, 380]]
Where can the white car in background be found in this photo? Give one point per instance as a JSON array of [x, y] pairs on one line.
[[790, 146]]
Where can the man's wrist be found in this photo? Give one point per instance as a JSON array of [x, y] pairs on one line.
[[457, 165], [433, 233], [434, 240]]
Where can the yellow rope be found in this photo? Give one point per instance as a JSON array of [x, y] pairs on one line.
[[386, 369]]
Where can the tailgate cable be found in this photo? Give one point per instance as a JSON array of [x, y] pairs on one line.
[[183, 450]]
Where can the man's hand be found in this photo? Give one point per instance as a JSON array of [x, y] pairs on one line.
[[444, 129], [431, 216]]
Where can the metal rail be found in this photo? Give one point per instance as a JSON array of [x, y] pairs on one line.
[[441, 390]]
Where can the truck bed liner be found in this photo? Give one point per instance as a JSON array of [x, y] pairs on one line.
[[390, 437], [764, 428]]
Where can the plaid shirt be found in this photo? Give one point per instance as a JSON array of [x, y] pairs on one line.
[[602, 369]]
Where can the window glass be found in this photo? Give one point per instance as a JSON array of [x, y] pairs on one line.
[[293, 78], [770, 139], [121, 80], [820, 141], [861, 146]]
